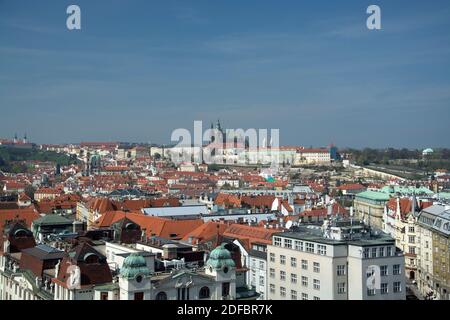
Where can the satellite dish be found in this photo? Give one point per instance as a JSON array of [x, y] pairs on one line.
[[289, 224]]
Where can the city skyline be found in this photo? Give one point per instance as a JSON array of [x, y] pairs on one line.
[[139, 70]]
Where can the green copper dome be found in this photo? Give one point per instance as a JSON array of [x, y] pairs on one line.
[[134, 265], [220, 257]]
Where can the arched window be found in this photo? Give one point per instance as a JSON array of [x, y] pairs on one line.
[[131, 226], [161, 296], [91, 258], [19, 233], [204, 293]]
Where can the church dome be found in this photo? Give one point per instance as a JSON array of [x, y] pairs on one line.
[[133, 266], [220, 258]]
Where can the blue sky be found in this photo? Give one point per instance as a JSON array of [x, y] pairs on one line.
[[139, 69]]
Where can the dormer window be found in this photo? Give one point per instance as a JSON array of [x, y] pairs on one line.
[[91, 258]]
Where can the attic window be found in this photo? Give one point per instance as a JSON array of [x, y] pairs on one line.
[[90, 258], [21, 233], [173, 235], [131, 226]]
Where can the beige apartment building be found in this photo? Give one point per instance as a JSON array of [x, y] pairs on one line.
[[433, 228]]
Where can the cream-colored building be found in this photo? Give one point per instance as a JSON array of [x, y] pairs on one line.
[[399, 221], [369, 207], [312, 156], [433, 227]]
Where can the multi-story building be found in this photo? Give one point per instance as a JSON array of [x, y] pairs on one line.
[[255, 259], [312, 156], [369, 207], [433, 227], [399, 220], [335, 263]]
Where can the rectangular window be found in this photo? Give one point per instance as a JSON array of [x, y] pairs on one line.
[[411, 229], [316, 284], [322, 250], [261, 265], [397, 286], [304, 264], [299, 245], [272, 273], [316, 298], [381, 252], [384, 270], [384, 288], [277, 241], [396, 269], [272, 288], [288, 243], [282, 259], [140, 296], [366, 252], [293, 278], [282, 291], [261, 280], [272, 257], [341, 270], [316, 267], [341, 287], [371, 292], [310, 247], [374, 252], [412, 250], [389, 251], [304, 296], [293, 262], [304, 281], [411, 239], [282, 275], [293, 295]]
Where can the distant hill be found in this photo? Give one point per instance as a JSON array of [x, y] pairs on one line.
[[11, 158]]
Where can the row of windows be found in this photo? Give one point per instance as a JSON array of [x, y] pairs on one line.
[[378, 252], [293, 296], [253, 280], [341, 287], [261, 264], [300, 245], [340, 269], [384, 270], [384, 288], [293, 261]]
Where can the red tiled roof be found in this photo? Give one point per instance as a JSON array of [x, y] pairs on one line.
[[351, 186], [154, 226], [227, 200], [206, 231], [250, 233]]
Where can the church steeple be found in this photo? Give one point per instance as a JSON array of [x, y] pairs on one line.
[[218, 125]]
